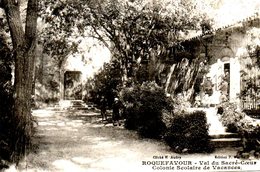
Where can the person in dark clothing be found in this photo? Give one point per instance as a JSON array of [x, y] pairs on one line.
[[116, 115], [103, 108]]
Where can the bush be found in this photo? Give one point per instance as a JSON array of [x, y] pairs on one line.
[[144, 105], [106, 83], [180, 103], [231, 115], [189, 133], [234, 119], [250, 136]]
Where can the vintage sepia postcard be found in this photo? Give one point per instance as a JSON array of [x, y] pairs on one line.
[[129, 85]]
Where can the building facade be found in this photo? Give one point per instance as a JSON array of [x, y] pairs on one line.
[[230, 58]]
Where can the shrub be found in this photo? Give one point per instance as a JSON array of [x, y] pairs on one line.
[[189, 133], [250, 136], [235, 120], [231, 115], [144, 105], [106, 83], [180, 103]]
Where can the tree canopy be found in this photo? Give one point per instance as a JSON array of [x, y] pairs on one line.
[[134, 31]]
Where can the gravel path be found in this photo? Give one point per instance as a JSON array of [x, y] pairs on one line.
[[73, 141]]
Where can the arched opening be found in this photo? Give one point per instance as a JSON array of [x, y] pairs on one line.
[[225, 82], [72, 85]]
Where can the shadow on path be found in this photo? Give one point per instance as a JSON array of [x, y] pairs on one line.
[[77, 141]]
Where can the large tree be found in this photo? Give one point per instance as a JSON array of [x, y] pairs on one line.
[[23, 37], [139, 33], [133, 30]]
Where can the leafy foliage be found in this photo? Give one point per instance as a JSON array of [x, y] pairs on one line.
[[142, 31], [250, 136], [6, 103], [231, 116], [247, 129], [189, 133], [134, 31], [58, 33], [250, 84], [250, 70], [106, 84], [180, 103], [144, 105]]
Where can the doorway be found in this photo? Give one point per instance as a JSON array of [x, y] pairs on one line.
[[72, 85], [227, 77]]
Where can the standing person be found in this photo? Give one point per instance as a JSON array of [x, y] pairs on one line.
[[115, 115], [103, 108], [224, 91]]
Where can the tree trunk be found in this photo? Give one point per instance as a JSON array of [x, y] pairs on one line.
[[24, 54]]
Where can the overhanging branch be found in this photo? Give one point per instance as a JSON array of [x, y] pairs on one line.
[[99, 37]]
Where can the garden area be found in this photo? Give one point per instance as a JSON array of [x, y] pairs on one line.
[[105, 78]]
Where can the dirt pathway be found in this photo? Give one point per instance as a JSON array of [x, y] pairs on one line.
[[75, 142]]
